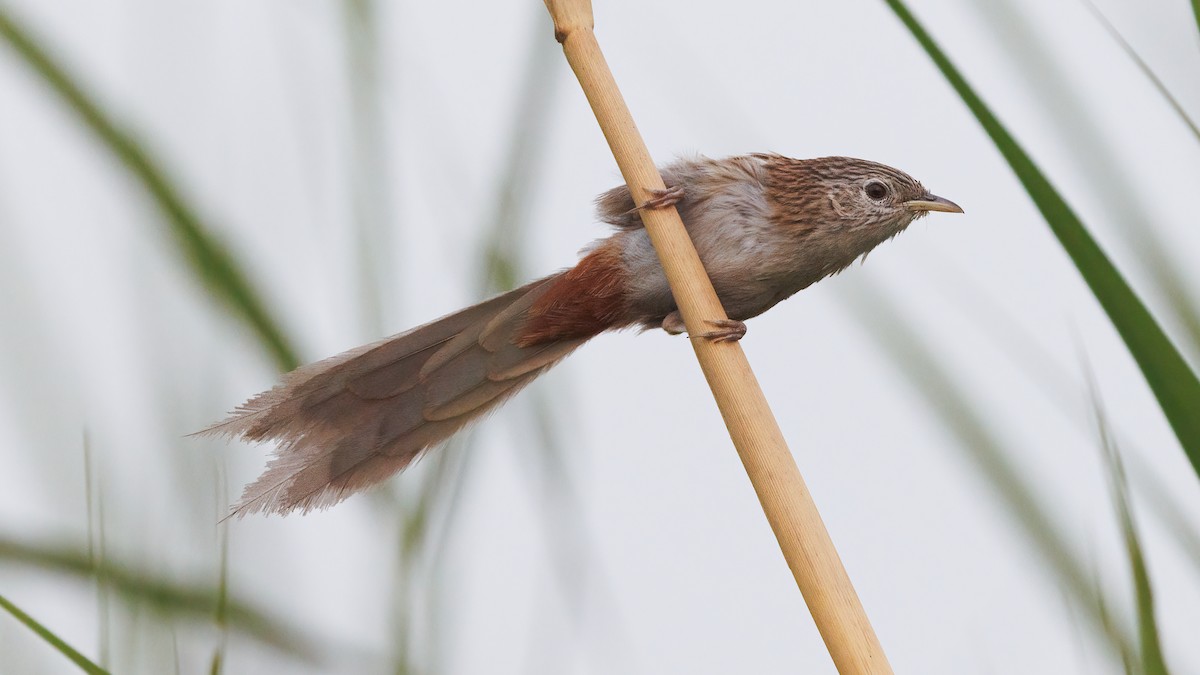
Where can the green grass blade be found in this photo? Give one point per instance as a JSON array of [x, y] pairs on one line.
[[1144, 67], [1060, 389], [1099, 165], [1152, 662], [1174, 517], [370, 172], [571, 545], [221, 615], [210, 262], [196, 602], [1174, 384], [1128, 664], [95, 548], [85, 664], [952, 404], [1196, 11]]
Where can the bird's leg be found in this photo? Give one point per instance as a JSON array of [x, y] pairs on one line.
[[727, 330], [661, 199], [673, 323]]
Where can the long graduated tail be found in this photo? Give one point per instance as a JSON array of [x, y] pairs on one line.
[[353, 420]]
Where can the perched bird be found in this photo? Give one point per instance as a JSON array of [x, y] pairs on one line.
[[765, 226]]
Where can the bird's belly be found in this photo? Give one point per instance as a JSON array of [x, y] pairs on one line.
[[747, 285], [747, 299]]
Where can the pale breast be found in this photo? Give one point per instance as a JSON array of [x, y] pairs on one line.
[[728, 217]]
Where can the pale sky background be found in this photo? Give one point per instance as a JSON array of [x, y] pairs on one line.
[[659, 560]]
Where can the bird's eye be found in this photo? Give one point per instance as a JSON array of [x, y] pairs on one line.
[[876, 190]]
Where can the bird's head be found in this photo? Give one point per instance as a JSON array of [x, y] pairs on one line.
[[861, 194]]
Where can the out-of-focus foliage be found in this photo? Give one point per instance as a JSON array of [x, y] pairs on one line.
[[85, 664], [954, 406], [1172, 380], [193, 602], [207, 258]]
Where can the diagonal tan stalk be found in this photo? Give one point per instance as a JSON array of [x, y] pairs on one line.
[[781, 490]]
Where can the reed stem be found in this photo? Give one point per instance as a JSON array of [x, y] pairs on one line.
[[785, 499]]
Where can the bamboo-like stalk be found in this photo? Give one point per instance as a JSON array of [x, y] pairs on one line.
[[781, 490]]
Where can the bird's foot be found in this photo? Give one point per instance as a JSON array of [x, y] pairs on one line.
[[661, 199], [727, 330]]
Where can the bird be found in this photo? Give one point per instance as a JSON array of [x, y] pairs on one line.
[[764, 225]]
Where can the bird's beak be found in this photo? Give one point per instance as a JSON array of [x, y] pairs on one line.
[[933, 203]]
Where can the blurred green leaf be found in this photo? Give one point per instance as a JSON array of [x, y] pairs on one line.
[[1152, 662], [1174, 384], [1178, 521], [1162, 268], [521, 166], [952, 404], [1196, 11], [58, 643], [1097, 162], [1060, 388], [370, 173], [570, 543], [1144, 67], [210, 262], [96, 541], [221, 615], [194, 602]]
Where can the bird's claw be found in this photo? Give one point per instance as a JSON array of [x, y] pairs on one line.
[[727, 330], [661, 199]]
